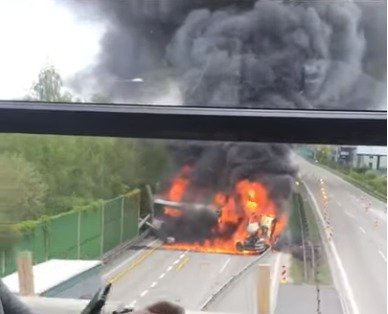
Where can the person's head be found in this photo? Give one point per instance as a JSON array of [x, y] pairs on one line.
[[162, 307]]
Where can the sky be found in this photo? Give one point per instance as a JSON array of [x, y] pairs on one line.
[[37, 33]]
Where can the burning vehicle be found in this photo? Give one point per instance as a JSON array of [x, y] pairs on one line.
[[177, 221], [246, 219], [260, 233]]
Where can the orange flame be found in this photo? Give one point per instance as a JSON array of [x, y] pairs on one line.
[[172, 212], [177, 190], [249, 202], [179, 184]]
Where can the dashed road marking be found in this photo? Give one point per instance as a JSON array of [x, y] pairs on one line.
[[144, 293], [153, 285], [349, 214], [133, 303], [176, 262], [182, 255], [338, 261], [362, 229], [224, 266], [169, 268], [162, 276], [383, 256]]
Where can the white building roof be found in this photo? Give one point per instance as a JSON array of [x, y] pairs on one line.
[[371, 150], [51, 273]]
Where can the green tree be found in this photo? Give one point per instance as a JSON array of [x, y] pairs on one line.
[[22, 189], [79, 169], [138, 162], [323, 153], [49, 87]]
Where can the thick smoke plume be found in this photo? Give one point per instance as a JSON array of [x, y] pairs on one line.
[[308, 54], [268, 54], [218, 167], [275, 55]]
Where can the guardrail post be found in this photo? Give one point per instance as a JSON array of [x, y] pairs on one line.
[[102, 229], [25, 273], [3, 262], [263, 289], [79, 235], [122, 220]]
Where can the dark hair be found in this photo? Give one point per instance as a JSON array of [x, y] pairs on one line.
[[164, 307]]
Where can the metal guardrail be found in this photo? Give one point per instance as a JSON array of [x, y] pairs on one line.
[[340, 283], [144, 220], [227, 284]]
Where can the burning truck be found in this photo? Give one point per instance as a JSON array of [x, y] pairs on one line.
[[243, 220]]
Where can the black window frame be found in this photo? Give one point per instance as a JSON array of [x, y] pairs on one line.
[[186, 123]]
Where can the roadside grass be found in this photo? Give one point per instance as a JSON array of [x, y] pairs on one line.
[[302, 206], [368, 181], [324, 274], [296, 271]]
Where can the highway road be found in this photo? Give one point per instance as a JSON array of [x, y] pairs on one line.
[[357, 221], [358, 225], [152, 273], [241, 295]]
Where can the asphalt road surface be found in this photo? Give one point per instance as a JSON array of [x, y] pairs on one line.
[[241, 295], [302, 299], [152, 273], [357, 230]]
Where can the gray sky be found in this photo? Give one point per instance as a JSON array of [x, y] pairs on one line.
[[35, 33]]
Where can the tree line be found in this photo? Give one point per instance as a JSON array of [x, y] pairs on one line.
[[49, 174]]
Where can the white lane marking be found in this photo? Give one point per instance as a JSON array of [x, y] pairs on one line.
[[169, 269], [349, 214], [340, 266], [224, 266], [154, 284], [144, 293], [383, 256], [362, 229], [176, 262], [182, 255], [126, 261], [162, 276], [133, 303]]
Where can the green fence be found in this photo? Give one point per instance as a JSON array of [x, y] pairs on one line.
[[83, 233]]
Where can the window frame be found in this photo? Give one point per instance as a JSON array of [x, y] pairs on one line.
[[187, 123]]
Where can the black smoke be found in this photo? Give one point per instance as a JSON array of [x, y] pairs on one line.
[[277, 55], [192, 226], [264, 54], [307, 54], [218, 167]]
